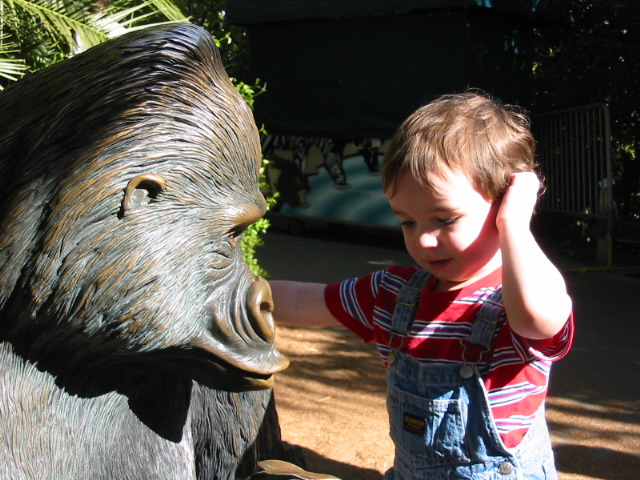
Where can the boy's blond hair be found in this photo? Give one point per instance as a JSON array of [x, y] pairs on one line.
[[470, 133]]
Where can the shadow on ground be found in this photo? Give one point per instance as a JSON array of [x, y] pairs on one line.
[[341, 470], [597, 462]]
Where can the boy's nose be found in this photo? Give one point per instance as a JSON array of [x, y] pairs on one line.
[[427, 240]]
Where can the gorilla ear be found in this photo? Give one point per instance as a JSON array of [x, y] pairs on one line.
[[140, 190]]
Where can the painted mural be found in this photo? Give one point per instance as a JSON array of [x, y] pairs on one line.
[[328, 179]]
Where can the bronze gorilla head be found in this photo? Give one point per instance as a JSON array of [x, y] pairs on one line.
[[127, 176]]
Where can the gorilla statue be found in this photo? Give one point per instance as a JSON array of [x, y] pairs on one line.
[[134, 341]]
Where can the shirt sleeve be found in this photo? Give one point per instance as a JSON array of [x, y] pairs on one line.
[[352, 301], [550, 349]]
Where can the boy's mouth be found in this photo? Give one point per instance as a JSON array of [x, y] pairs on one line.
[[437, 265]]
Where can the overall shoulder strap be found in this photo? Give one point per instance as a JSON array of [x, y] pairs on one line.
[[487, 319], [407, 303]]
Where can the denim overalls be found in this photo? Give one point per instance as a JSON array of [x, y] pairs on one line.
[[440, 417]]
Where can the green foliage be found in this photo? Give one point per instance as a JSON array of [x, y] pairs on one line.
[[252, 237], [588, 51], [10, 68], [249, 92], [42, 32]]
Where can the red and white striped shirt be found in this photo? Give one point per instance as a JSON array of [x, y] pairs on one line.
[[515, 372]]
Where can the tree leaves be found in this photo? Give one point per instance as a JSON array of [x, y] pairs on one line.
[[45, 31]]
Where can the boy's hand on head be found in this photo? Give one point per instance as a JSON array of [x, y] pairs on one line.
[[534, 292], [518, 201]]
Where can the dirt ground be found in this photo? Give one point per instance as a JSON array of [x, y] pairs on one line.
[[331, 404], [331, 400]]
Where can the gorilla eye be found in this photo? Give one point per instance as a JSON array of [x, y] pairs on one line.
[[244, 216], [235, 233]]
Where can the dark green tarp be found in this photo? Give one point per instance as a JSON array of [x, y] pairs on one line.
[[245, 12], [361, 76]]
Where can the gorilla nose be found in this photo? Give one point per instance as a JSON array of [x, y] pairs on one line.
[[260, 305]]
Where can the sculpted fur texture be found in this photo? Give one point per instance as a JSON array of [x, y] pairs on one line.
[[128, 318]]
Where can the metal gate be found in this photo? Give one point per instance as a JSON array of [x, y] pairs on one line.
[[574, 151]]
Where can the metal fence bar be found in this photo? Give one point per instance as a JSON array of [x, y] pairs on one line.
[[574, 152]]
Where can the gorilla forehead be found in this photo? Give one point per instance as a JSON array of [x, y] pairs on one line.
[[160, 97], [192, 124]]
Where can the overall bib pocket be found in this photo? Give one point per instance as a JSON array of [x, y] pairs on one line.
[[427, 432]]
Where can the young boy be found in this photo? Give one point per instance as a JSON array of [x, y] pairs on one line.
[[469, 335]]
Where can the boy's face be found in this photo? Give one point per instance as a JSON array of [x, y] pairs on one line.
[[449, 230]]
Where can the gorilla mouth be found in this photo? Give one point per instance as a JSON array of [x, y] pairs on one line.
[[234, 368], [254, 382], [218, 373]]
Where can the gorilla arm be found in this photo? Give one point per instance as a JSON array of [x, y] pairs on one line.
[[301, 304]]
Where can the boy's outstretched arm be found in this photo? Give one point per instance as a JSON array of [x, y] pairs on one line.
[[301, 304], [534, 292]]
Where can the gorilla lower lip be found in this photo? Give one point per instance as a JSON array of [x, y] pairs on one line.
[[261, 382], [258, 360]]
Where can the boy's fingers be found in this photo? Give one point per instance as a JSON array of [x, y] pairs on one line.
[[519, 200], [525, 186], [525, 178]]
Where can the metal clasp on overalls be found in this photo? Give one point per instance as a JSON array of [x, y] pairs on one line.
[[467, 370], [393, 351]]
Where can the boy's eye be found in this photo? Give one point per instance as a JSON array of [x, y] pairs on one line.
[[407, 223], [447, 221]]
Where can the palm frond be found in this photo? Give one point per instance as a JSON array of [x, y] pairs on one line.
[[10, 68], [120, 19], [76, 25], [169, 9], [63, 20]]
